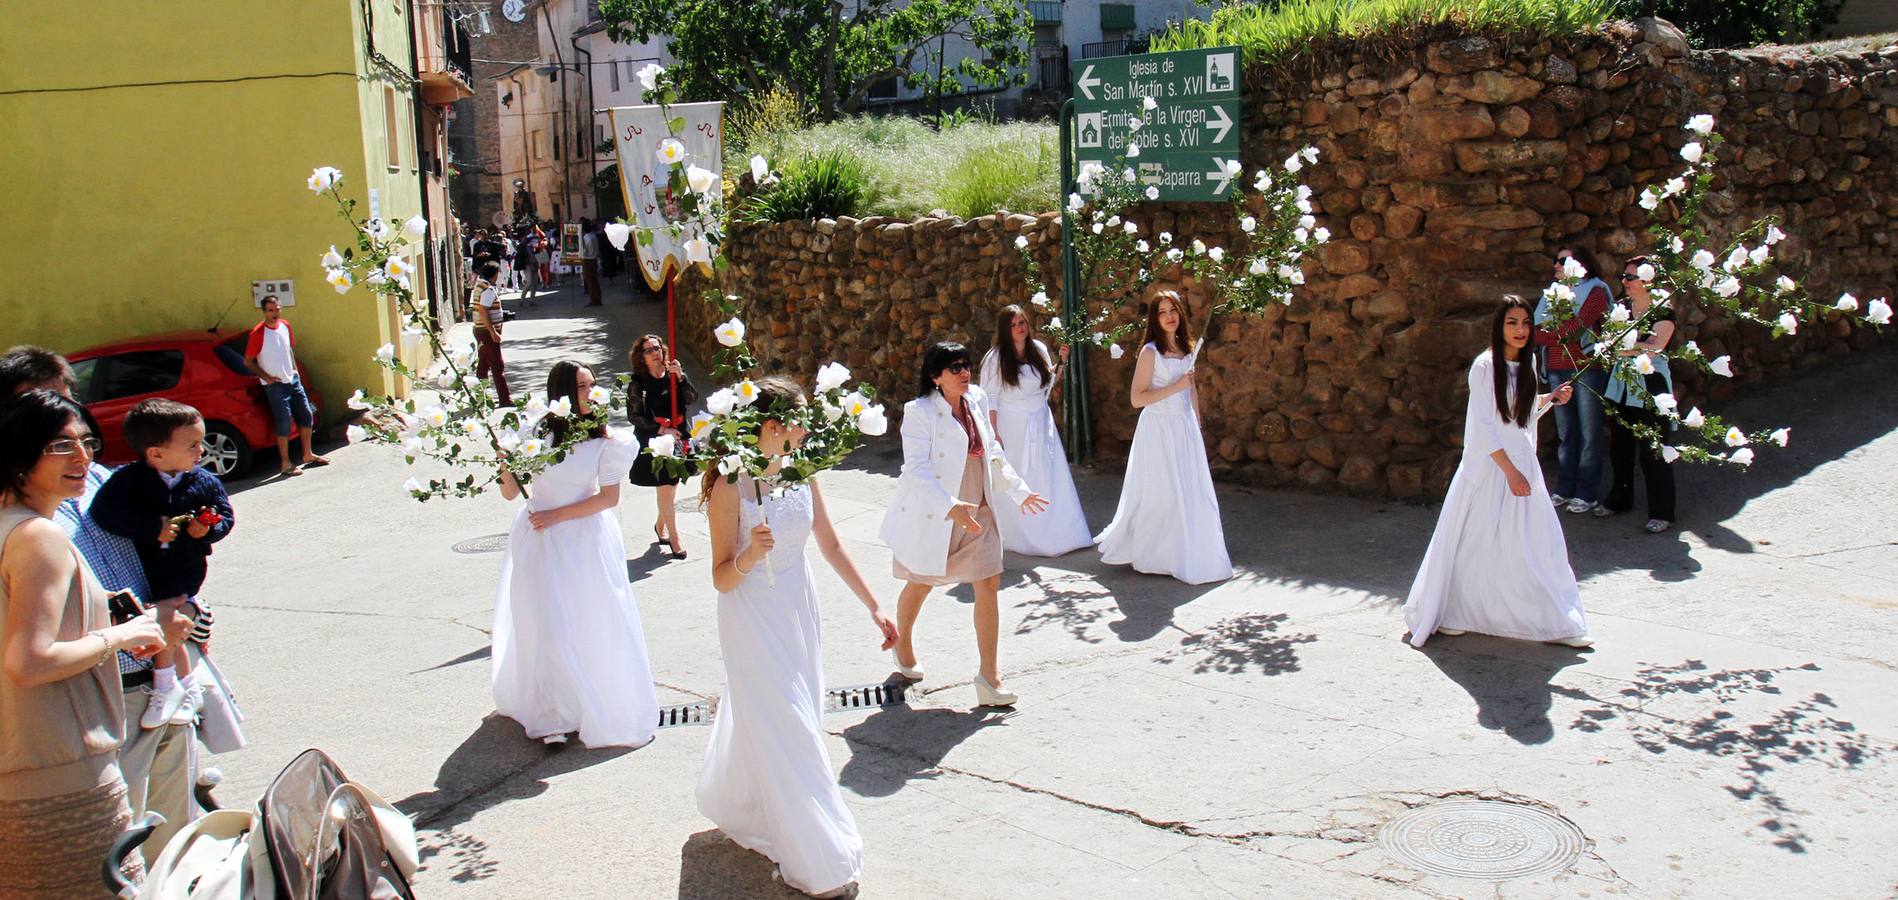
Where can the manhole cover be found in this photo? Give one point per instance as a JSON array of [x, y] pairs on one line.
[[1483, 840], [493, 543]]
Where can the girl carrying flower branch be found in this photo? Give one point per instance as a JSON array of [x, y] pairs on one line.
[[767, 779], [1018, 375], [569, 651], [1497, 563]]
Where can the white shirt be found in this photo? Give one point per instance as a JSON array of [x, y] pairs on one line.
[[589, 246], [275, 356]]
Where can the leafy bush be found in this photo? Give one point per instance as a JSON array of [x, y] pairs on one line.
[[754, 122], [1294, 30], [968, 169], [821, 185]]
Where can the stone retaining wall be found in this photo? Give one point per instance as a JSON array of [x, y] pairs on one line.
[[1451, 174]]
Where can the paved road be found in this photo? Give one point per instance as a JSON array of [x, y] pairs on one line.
[[1733, 734]]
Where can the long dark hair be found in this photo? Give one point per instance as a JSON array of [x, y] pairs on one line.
[[1183, 336], [1011, 362], [563, 380], [940, 356], [1528, 384], [778, 396], [28, 423]]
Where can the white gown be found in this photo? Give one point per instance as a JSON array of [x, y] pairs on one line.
[[1497, 563], [1168, 519], [1025, 425], [569, 653], [767, 781]]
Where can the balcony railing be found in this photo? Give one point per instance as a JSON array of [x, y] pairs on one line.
[[445, 60], [1120, 47], [1051, 69]]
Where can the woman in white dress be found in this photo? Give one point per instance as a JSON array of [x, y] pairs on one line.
[[940, 526], [1167, 522], [1018, 375], [1497, 563], [569, 653], [767, 780]]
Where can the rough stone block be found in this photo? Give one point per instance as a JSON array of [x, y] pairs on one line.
[[1493, 156]]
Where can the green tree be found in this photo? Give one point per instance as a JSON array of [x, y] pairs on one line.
[[1740, 23], [831, 56]]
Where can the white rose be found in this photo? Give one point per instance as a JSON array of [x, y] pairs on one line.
[[1129, 227], [357, 401], [386, 353], [747, 392], [1665, 402], [1702, 259], [1650, 199], [649, 74], [1293, 163], [1301, 235], [1692, 152], [671, 151], [531, 447], [1691, 348], [1174, 255], [1782, 436], [873, 422], [617, 234], [730, 334], [376, 228], [1133, 150], [1759, 254], [663, 445], [340, 279], [435, 416], [413, 488], [1676, 245], [1727, 287], [1248, 224], [414, 227], [1262, 182], [562, 407], [1166, 237], [1644, 365], [1075, 202], [700, 179], [1153, 193], [411, 449], [1216, 254], [1645, 272], [1736, 437], [1789, 323], [1878, 312], [355, 434], [599, 396], [1148, 104], [1722, 366], [1096, 228], [1199, 247], [397, 267], [856, 404], [536, 406], [1114, 351], [1233, 167], [760, 169], [1143, 246], [1735, 260], [470, 428], [322, 178], [701, 423], [1307, 222], [332, 259], [1310, 153], [832, 412], [1040, 299], [1676, 185], [1669, 454], [1785, 285], [1321, 235], [1021, 242], [1260, 265], [1700, 124], [698, 250], [1742, 456], [1694, 419], [1774, 235], [831, 376]]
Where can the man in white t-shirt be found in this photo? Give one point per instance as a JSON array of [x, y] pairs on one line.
[[272, 355], [590, 261], [487, 331]]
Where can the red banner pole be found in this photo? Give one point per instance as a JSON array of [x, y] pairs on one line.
[[671, 342]]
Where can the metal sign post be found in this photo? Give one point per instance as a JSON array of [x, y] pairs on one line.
[[1189, 151]]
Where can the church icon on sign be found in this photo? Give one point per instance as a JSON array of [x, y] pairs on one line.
[[1219, 73], [1089, 127]]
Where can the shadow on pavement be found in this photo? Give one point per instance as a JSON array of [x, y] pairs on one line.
[[1802, 733], [713, 867], [899, 744], [1509, 680], [1242, 645], [483, 652]]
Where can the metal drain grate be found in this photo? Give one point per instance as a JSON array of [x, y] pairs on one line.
[[493, 543], [699, 713], [1484, 840], [867, 696]]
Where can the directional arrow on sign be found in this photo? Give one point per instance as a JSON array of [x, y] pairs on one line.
[[1223, 177], [1219, 124], [1087, 82]]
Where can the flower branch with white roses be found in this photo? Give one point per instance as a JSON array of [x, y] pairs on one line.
[[463, 425], [1730, 278]]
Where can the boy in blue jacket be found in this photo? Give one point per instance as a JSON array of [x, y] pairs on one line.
[[172, 512]]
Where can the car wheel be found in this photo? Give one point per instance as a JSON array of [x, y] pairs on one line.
[[226, 454]]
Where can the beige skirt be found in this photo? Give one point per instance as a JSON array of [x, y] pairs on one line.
[[52, 848], [972, 557]]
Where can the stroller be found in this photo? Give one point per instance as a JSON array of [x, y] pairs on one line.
[[315, 835]]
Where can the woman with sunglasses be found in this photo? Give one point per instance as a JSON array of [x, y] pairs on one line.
[[1633, 395], [653, 414], [1167, 522], [941, 524], [62, 708], [1578, 425]]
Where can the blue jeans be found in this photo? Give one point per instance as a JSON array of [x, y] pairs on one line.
[[1578, 426], [288, 403]]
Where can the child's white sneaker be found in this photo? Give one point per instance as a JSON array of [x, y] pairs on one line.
[[188, 712], [162, 708]]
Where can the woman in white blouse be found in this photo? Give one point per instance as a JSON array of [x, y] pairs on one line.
[[1018, 375], [940, 526]]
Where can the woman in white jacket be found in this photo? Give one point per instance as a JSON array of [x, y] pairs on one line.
[[940, 526]]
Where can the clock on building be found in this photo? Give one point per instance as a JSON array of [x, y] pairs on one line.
[[514, 10]]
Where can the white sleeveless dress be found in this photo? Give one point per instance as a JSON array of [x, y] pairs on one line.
[[569, 652], [767, 781], [1497, 563], [1168, 519], [1025, 425]]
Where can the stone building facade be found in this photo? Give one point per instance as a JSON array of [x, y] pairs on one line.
[[474, 134], [1452, 172]]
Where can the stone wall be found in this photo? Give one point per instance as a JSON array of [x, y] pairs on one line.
[[1452, 172]]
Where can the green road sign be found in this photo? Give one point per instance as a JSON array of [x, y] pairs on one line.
[[1188, 137]]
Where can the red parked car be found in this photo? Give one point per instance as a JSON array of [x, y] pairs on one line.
[[202, 368]]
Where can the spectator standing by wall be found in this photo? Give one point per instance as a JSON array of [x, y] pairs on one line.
[[590, 261], [271, 353], [487, 330], [1578, 424]]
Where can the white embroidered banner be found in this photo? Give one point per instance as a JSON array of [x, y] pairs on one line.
[[650, 186]]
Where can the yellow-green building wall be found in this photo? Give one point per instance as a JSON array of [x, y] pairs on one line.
[[154, 162]]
